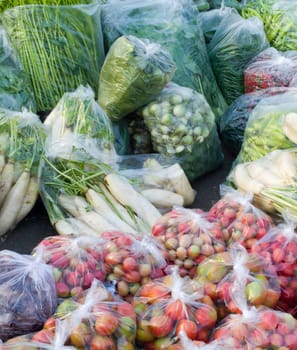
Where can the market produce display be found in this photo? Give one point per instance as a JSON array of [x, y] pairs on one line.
[[112, 140], [133, 74], [60, 47]]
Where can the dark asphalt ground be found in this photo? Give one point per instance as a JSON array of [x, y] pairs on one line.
[[36, 225]]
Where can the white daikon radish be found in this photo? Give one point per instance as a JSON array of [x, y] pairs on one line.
[[124, 192], [244, 181], [98, 202], [6, 180], [13, 202], [163, 199], [259, 171], [290, 126]]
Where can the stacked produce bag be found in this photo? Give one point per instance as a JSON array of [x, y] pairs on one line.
[[109, 127]]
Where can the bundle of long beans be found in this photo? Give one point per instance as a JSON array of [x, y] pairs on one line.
[[60, 47]]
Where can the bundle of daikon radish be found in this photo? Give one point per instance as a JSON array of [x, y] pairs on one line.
[[87, 188], [22, 137]]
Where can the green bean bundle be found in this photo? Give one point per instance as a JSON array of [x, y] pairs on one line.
[[60, 47]]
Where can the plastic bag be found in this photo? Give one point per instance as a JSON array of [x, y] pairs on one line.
[[202, 5], [168, 305], [132, 261], [219, 274], [175, 25], [78, 122], [232, 123], [278, 248], [236, 4], [22, 139], [122, 136], [182, 125], [187, 236], [15, 89], [28, 293], [270, 68], [271, 126], [59, 46], [45, 339], [238, 220], [95, 319], [271, 179], [257, 328], [210, 20], [234, 44], [279, 19], [75, 260], [133, 74]]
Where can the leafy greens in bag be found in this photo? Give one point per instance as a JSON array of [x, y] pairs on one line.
[[234, 44], [175, 25], [15, 88], [133, 74], [60, 47]]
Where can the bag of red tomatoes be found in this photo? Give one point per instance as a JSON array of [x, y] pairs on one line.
[[257, 328], [46, 340], [221, 272], [279, 249], [95, 320], [188, 238], [237, 219], [131, 261], [169, 305], [76, 261]]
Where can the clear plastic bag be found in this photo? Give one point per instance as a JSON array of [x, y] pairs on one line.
[[271, 126], [133, 74], [15, 88], [22, 139], [95, 319], [166, 306], [187, 235], [278, 248], [270, 68], [257, 328], [175, 25], [182, 125], [210, 20], [132, 261], [28, 293], [234, 44], [60, 47], [46, 339], [232, 123], [75, 260], [219, 274]]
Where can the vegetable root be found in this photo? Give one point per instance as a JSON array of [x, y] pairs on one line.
[[244, 181], [124, 192], [98, 202], [163, 199], [6, 180], [13, 202]]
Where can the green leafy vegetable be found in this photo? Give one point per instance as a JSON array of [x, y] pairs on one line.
[[235, 43], [133, 74], [60, 47], [176, 26], [280, 21]]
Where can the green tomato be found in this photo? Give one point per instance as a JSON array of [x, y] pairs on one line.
[[179, 110], [176, 99]]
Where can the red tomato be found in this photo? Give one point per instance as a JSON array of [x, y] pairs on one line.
[[99, 342], [189, 327], [176, 309], [106, 323], [161, 326]]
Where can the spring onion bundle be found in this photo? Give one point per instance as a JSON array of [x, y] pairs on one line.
[[60, 47], [22, 138]]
